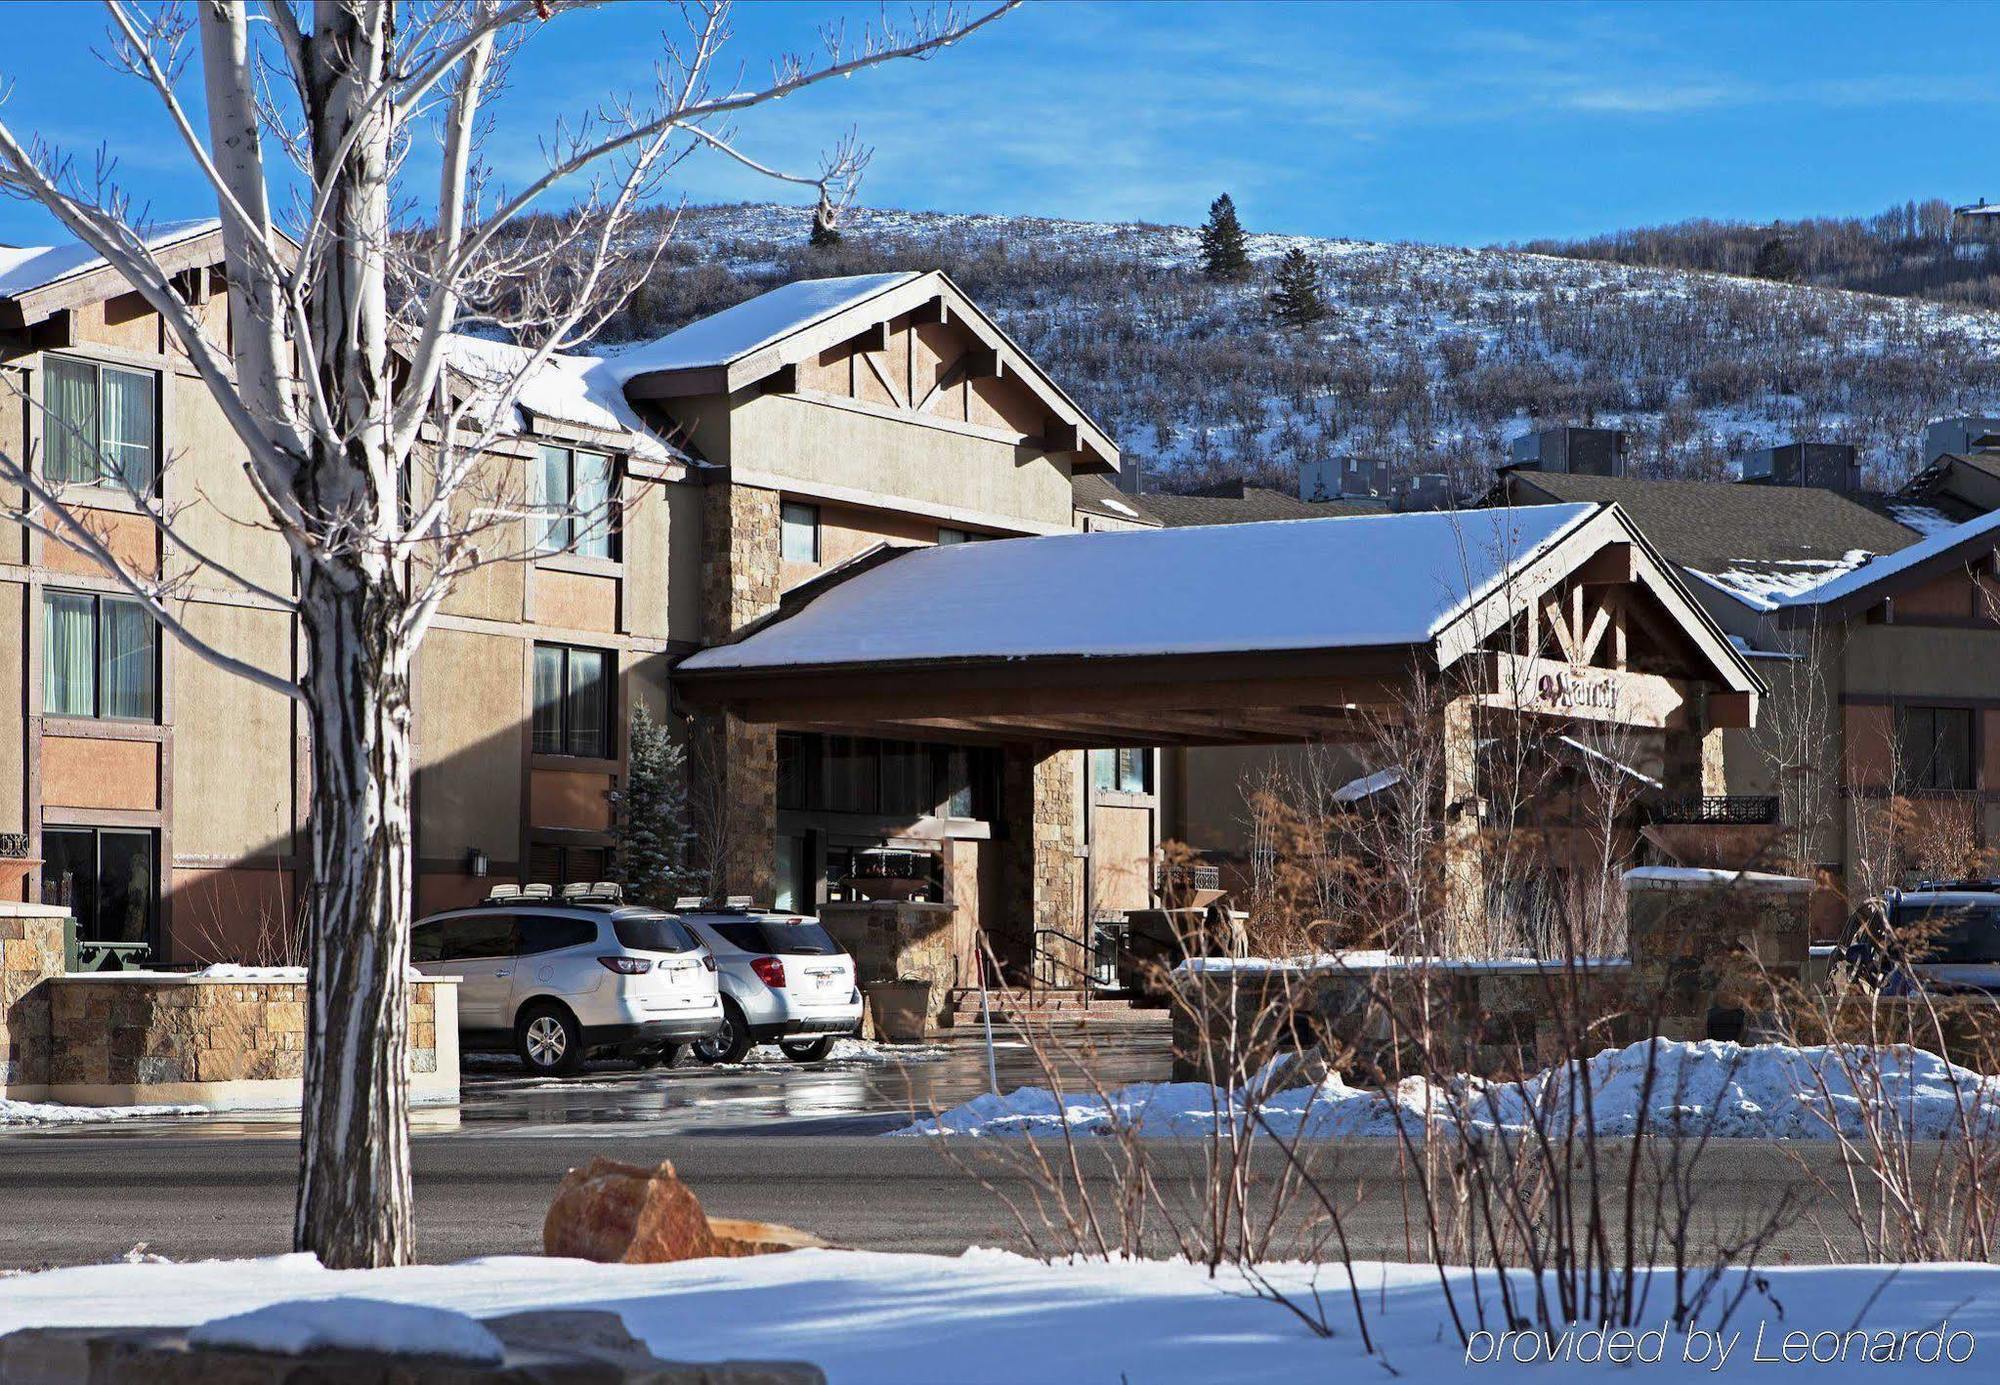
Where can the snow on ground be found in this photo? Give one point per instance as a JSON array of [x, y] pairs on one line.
[[52, 1113], [1766, 1091], [869, 1318]]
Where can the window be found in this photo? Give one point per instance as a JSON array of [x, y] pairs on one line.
[[546, 934], [489, 935], [101, 424], [572, 489], [793, 873], [572, 702], [653, 933], [798, 527], [550, 864], [1122, 771], [951, 536], [1935, 747], [784, 939], [106, 877], [856, 774], [427, 942], [100, 657]]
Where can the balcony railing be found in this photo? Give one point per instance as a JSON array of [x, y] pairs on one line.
[[1730, 810], [1190, 877]]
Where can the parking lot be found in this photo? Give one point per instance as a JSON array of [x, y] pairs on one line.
[[860, 1089]]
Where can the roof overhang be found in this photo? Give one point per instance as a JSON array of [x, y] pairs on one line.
[[1213, 695], [95, 282], [930, 293]]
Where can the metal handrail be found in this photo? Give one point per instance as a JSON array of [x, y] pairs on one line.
[[1732, 809], [1037, 954]]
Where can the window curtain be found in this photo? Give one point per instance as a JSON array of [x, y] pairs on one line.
[[590, 489], [586, 703], [551, 500], [69, 393], [126, 660], [128, 427], [69, 655], [548, 729]]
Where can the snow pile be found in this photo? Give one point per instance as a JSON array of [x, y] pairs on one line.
[[233, 971], [985, 1317], [52, 1113], [1766, 1091], [353, 1324]]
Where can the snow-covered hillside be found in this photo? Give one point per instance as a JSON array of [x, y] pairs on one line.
[[1432, 356]]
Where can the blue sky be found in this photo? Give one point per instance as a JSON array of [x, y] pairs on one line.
[[1464, 124]]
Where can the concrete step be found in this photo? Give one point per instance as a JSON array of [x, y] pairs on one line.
[[1058, 1007]]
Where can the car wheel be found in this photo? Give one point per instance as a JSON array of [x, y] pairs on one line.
[[729, 1043], [549, 1040], [807, 1050]]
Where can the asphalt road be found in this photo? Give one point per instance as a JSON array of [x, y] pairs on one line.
[[81, 1199]]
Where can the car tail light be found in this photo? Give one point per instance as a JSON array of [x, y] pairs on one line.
[[627, 966], [770, 970], [708, 960]]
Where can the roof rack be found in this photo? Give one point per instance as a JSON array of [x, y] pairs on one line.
[[711, 904], [602, 892]]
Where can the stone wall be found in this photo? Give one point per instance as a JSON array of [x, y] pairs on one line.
[[1495, 1019], [893, 940], [138, 1038], [1709, 952], [133, 1037], [31, 951]]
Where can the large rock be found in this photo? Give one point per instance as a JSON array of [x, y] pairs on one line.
[[618, 1213], [557, 1347]]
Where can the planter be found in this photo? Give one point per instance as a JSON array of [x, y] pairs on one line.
[[887, 886], [13, 870], [900, 1010]]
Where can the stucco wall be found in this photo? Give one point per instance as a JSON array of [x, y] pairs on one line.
[[828, 452], [468, 703]]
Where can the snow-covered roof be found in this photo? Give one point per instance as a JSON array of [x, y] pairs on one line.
[[1917, 554], [574, 389], [24, 268], [736, 332], [1352, 582], [1766, 583]]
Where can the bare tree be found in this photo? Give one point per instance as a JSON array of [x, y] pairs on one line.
[[370, 460]]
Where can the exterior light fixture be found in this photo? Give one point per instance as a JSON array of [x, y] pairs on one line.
[[476, 863]]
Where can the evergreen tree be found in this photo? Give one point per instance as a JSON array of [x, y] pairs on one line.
[[825, 230], [1225, 251], [1297, 299], [652, 833], [1774, 261]]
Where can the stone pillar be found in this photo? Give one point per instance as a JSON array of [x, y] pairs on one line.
[[1693, 764], [1044, 865], [737, 805], [31, 951], [1709, 945], [1464, 868]]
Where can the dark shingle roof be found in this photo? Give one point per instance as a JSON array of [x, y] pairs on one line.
[[1250, 504], [1715, 525], [1096, 495]]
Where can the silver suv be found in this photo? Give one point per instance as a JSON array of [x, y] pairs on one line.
[[783, 977], [555, 978]]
